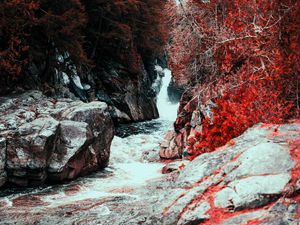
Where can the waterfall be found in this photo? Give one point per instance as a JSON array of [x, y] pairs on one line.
[[167, 110]]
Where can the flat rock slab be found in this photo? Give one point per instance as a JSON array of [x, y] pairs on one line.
[[252, 192], [243, 180]]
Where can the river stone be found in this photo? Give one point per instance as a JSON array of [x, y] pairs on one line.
[[99, 121], [264, 158], [203, 166], [244, 218], [252, 192], [28, 151], [74, 136], [195, 215]]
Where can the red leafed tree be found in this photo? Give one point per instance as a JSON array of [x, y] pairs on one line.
[[37, 32], [245, 58], [16, 19]]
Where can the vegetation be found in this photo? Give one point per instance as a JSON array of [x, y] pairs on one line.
[[76, 36], [243, 56]]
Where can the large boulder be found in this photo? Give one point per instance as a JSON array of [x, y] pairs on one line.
[[44, 139], [252, 180]]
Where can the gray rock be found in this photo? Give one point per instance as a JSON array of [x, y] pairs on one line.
[[244, 218], [72, 139], [52, 139], [195, 215], [252, 173], [99, 121], [2, 161], [264, 158], [252, 192], [203, 166], [29, 148]]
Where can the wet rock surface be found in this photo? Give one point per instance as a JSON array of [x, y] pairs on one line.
[[253, 181], [48, 139]]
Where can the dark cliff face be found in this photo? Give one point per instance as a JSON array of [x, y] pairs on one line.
[[129, 95]]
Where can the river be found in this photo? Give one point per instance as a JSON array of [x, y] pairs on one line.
[[123, 193]]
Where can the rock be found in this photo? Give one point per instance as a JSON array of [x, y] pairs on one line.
[[103, 97], [260, 160], [45, 139], [78, 89], [118, 116], [73, 138], [244, 218], [130, 94], [242, 183], [168, 148], [174, 92], [282, 213], [203, 166], [96, 115], [28, 151], [174, 167], [249, 195], [252, 192], [188, 121], [196, 215], [2, 161]]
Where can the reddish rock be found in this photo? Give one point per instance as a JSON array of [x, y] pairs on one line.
[[72, 189], [188, 121], [28, 201]]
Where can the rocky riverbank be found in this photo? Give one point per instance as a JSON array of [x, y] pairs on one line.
[[252, 180]]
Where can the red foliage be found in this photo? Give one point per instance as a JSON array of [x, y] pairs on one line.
[[244, 56], [16, 16]]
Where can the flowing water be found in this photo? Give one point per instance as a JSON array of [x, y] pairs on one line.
[[116, 195]]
